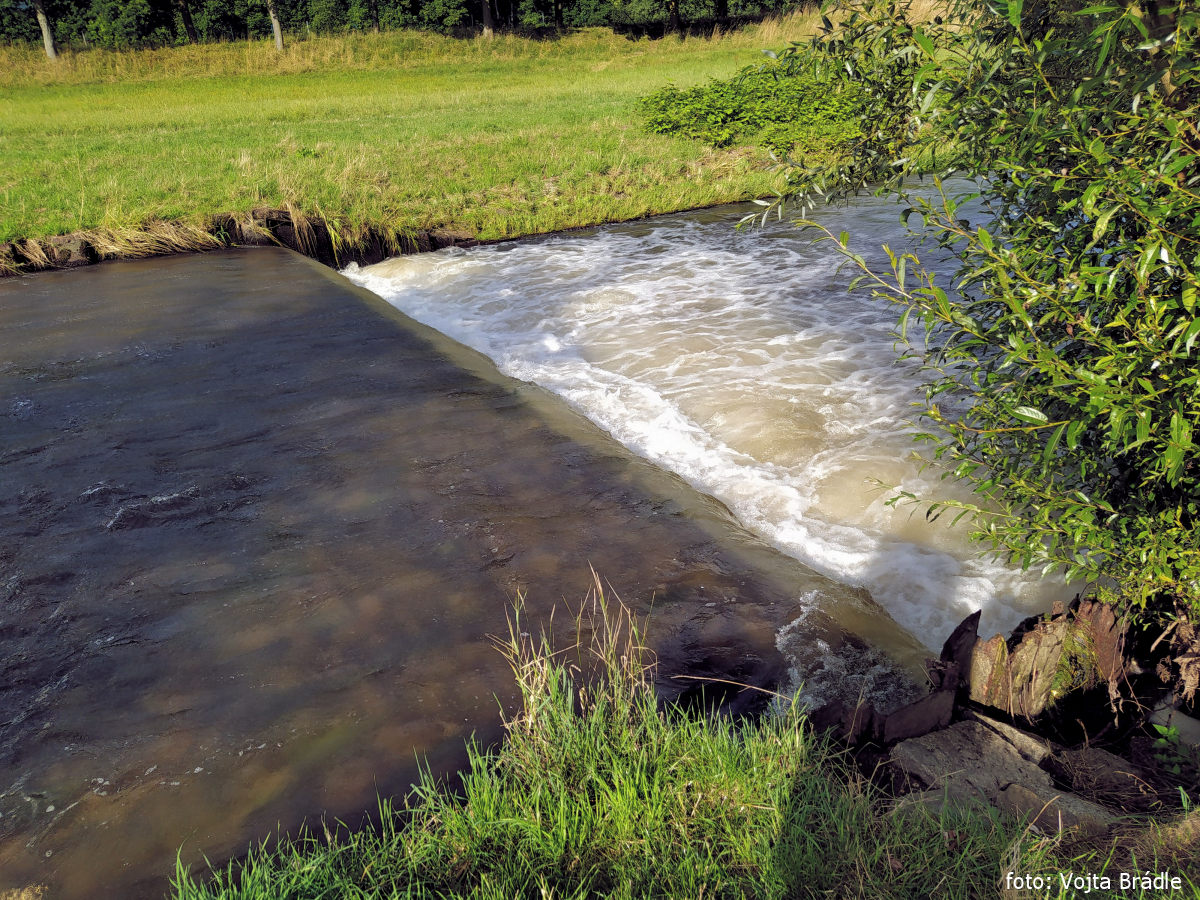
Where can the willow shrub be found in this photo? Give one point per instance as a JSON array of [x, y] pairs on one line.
[[1062, 354]]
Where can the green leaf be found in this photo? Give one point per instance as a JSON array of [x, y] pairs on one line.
[[1098, 150], [1105, 48], [1030, 414], [1014, 12], [1179, 429], [1073, 431], [1189, 336], [1052, 444], [1102, 223], [923, 40]]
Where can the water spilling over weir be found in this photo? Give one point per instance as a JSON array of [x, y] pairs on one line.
[[737, 360]]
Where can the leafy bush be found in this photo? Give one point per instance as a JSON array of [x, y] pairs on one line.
[[776, 106], [327, 15], [1063, 355], [443, 15]]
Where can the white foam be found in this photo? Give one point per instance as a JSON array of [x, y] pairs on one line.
[[738, 361]]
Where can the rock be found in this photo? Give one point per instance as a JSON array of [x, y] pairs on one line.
[[967, 760], [943, 676], [920, 718], [861, 724], [1106, 637], [1019, 681], [1031, 747], [452, 239], [1053, 811], [1032, 667], [960, 645], [852, 725], [973, 763], [983, 679], [935, 802], [69, 251], [250, 232], [1102, 776]]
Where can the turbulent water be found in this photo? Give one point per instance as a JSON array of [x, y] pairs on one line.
[[738, 360]]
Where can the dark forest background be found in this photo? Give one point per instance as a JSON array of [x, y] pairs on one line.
[[121, 24]]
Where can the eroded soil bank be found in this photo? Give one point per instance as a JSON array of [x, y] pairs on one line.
[[265, 226], [255, 529]]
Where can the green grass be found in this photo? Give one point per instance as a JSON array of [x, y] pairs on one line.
[[599, 792], [400, 131]]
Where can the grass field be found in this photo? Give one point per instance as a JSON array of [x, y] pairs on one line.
[[400, 131]]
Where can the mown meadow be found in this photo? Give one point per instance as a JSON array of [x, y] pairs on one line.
[[399, 131]]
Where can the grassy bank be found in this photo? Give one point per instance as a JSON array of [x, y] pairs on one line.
[[598, 792], [401, 131]]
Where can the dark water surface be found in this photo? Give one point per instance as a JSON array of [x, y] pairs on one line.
[[255, 529]]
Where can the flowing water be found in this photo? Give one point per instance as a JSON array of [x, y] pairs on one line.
[[738, 360], [256, 525]]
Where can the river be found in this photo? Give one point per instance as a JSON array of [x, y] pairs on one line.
[[256, 527]]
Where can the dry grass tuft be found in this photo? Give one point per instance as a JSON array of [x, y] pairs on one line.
[[1175, 844], [153, 238], [35, 253]]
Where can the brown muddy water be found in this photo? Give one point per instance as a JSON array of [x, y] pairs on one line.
[[257, 527]]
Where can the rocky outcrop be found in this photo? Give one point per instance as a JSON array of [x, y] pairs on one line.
[[1020, 680], [975, 763], [1027, 673], [930, 760], [1052, 811]]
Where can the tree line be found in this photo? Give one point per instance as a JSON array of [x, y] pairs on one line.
[[123, 24]]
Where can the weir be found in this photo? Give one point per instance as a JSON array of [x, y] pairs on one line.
[[739, 360], [256, 527]]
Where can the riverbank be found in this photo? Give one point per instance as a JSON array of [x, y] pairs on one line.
[[598, 791], [374, 140]]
